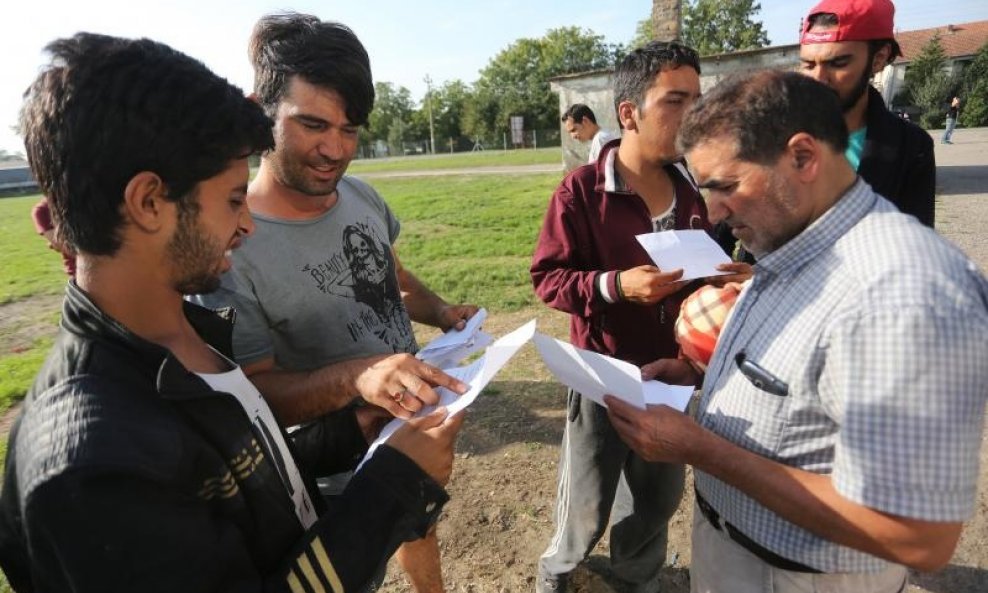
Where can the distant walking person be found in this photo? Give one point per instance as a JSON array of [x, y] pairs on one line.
[[952, 111], [581, 124]]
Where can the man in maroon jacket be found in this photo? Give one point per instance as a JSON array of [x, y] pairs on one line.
[[589, 264]]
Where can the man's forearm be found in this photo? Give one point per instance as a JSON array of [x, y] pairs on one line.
[[810, 501], [423, 305], [300, 396]]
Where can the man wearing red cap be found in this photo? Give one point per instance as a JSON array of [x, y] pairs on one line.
[[844, 43]]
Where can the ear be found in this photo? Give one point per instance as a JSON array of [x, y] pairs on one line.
[[626, 113], [881, 59], [144, 201], [803, 152]]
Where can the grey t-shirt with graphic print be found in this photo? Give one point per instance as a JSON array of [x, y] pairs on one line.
[[319, 291]]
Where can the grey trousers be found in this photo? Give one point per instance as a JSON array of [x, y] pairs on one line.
[[600, 479]]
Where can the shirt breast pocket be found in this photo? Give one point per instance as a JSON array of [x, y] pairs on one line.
[[747, 413]]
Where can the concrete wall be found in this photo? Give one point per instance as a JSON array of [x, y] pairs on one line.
[[716, 67], [595, 90]]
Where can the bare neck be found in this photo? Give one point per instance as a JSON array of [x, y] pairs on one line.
[[648, 179], [835, 180], [137, 295]]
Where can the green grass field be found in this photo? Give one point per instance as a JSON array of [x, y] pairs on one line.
[[27, 266], [460, 160], [469, 238]]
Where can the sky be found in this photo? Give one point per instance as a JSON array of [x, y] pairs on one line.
[[407, 40]]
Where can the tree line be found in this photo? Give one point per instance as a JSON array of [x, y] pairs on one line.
[[516, 80]]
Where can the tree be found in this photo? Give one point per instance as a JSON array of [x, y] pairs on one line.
[[974, 108], [714, 26], [932, 96], [516, 81], [929, 62], [389, 121], [449, 103], [974, 96], [721, 26], [927, 85]]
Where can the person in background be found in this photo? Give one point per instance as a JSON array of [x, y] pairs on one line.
[[581, 124], [952, 113]]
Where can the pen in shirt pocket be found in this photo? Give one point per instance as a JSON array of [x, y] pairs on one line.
[[759, 377]]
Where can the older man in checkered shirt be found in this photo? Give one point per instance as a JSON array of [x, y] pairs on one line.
[[837, 437]]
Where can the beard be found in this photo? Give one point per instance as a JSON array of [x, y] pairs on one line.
[[194, 254], [296, 174], [778, 224], [854, 95]]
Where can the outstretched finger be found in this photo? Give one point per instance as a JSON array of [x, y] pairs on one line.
[[438, 378]]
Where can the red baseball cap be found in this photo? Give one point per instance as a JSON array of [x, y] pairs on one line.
[[857, 20]]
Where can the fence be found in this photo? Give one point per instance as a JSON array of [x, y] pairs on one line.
[[530, 139]]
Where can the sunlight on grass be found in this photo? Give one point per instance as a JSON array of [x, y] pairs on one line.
[[27, 266], [469, 238]]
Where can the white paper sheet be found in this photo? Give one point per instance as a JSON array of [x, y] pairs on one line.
[[589, 373], [476, 374], [595, 375], [693, 251], [449, 349], [674, 396]]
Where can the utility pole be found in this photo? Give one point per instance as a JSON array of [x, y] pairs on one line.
[[428, 102]]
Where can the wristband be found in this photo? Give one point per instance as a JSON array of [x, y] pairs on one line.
[[617, 282]]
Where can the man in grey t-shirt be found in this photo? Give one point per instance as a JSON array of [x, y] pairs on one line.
[[324, 305]]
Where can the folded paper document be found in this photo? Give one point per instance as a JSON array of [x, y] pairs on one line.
[[453, 346], [595, 375], [589, 373], [693, 251], [476, 374]]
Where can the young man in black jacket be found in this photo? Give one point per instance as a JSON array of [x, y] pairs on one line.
[[144, 460]]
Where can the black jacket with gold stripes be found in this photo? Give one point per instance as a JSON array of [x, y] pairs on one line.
[[126, 472]]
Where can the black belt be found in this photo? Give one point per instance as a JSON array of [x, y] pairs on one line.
[[747, 543]]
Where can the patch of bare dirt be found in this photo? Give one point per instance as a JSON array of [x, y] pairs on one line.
[[23, 322]]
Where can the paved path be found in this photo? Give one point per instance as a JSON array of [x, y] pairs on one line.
[[962, 217]]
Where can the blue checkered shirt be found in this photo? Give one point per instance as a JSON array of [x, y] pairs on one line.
[[880, 329]]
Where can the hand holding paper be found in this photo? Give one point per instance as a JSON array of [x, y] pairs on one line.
[[476, 374]]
